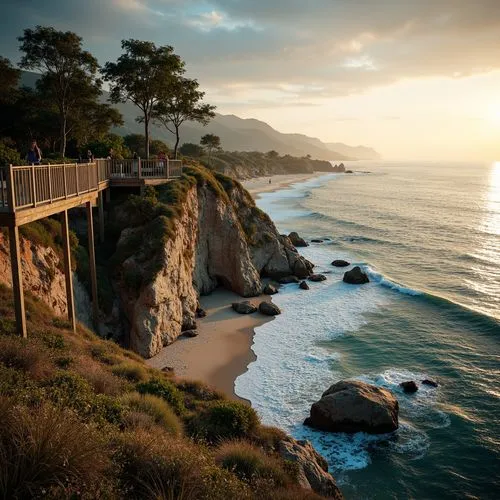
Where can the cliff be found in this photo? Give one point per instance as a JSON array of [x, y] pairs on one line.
[[184, 239], [42, 269]]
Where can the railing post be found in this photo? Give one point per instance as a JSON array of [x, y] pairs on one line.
[[77, 180], [92, 264], [50, 184], [168, 168], [11, 195], [68, 273], [65, 182], [139, 168], [17, 280], [33, 186]]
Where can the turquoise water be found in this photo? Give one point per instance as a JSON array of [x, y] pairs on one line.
[[429, 237]]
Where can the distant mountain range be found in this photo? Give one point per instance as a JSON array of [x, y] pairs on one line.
[[238, 134]]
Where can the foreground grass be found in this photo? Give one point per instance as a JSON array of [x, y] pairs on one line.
[[82, 418]]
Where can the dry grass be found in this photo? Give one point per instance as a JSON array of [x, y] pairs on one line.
[[130, 371], [29, 357], [251, 464], [156, 408], [102, 381], [45, 449]]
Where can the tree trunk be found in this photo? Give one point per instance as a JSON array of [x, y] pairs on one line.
[[176, 142], [63, 137], [146, 135]]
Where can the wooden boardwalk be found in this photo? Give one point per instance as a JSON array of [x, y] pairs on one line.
[[29, 193]]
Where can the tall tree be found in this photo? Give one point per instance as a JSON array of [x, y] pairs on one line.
[[182, 102], [9, 79], [69, 73], [142, 75], [210, 142]]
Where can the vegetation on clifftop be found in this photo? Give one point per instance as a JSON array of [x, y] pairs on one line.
[[81, 417]]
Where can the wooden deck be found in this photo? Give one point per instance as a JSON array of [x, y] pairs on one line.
[[29, 193]]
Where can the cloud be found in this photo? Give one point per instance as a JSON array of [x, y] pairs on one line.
[[306, 51]]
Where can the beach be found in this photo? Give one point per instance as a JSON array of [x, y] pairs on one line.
[[222, 350]]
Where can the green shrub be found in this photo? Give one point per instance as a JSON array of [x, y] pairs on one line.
[[130, 371], [163, 389], [70, 390], [200, 391], [156, 408], [250, 464], [53, 340], [223, 420], [104, 353]]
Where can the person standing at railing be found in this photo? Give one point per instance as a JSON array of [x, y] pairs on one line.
[[90, 156], [34, 156]]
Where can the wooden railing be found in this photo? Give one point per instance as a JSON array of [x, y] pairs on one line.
[[30, 186]]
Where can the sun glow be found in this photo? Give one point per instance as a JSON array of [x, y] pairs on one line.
[[493, 114]]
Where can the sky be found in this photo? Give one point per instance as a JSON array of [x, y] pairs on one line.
[[415, 79]]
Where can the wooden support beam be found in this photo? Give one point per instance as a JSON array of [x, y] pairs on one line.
[[101, 216], [68, 272], [17, 281], [93, 271]]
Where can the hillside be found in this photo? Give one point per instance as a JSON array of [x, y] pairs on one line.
[[82, 418], [238, 134]]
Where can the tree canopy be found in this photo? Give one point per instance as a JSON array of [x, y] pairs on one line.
[[210, 142], [9, 79], [143, 75], [182, 102], [190, 149], [69, 77]]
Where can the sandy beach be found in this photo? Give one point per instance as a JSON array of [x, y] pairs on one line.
[[222, 350], [261, 184]]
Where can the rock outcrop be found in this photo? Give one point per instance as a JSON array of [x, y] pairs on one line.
[[353, 406], [269, 309], [270, 289], [356, 276], [340, 263], [312, 468], [429, 382], [317, 277], [297, 240], [244, 307], [409, 387], [219, 238]]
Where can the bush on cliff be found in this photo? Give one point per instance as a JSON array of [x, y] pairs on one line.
[[71, 428]]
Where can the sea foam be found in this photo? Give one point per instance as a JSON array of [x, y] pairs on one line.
[[295, 365]]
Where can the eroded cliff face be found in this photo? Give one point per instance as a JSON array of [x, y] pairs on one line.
[[41, 269], [218, 240], [43, 276]]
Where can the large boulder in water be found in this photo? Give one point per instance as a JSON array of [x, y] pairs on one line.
[[296, 240], [409, 387], [340, 263], [353, 406], [356, 276]]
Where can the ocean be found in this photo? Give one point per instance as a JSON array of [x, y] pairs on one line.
[[428, 235]]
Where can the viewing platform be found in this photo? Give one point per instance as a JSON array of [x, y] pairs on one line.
[[30, 193]]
